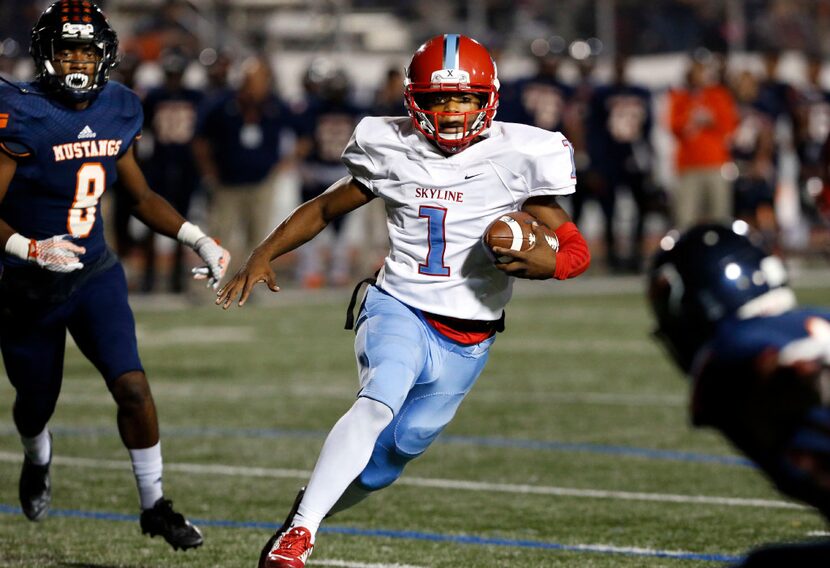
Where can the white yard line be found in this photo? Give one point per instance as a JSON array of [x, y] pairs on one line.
[[349, 564], [167, 387], [434, 483]]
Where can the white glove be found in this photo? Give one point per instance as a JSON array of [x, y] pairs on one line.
[[216, 260], [57, 254]]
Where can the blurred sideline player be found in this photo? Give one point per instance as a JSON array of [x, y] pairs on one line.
[[324, 129], [755, 155], [170, 112], [426, 324], [65, 138], [757, 362]]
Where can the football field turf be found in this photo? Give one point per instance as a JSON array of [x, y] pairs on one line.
[[573, 449]]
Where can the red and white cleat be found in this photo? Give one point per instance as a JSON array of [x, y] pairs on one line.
[[291, 549]]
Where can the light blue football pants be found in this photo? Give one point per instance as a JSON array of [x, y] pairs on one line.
[[418, 373]]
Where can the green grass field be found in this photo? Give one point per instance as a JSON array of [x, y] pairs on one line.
[[573, 450]]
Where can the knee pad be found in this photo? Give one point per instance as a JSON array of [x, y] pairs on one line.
[[422, 419], [383, 469]]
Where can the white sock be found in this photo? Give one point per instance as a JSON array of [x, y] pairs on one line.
[[147, 469], [39, 448], [353, 495], [345, 453]]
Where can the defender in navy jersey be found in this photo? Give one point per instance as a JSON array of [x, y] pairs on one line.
[[64, 139], [757, 362]]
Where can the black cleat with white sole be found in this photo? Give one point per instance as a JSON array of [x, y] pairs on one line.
[[176, 530]]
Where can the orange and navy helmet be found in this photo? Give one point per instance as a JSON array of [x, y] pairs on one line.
[[73, 22], [452, 63]]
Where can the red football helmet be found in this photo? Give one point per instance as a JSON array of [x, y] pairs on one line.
[[452, 63]]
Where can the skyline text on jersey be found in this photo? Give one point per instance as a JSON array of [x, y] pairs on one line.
[[440, 194]]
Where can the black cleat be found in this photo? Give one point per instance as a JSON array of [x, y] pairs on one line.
[[263, 556], [35, 490], [176, 530]]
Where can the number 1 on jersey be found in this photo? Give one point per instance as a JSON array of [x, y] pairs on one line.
[[90, 186], [437, 241]]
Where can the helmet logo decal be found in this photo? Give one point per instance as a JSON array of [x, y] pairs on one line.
[[77, 31], [450, 76], [451, 51]]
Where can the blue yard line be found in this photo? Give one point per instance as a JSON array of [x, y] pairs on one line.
[[407, 535], [514, 443]]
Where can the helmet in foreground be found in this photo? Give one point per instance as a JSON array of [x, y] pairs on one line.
[[709, 273], [73, 23], [451, 63]]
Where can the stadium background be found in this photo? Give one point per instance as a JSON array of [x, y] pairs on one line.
[[366, 38], [574, 448]]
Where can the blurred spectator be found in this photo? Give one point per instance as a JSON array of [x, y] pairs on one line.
[[821, 197], [216, 72], [811, 126], [578, 112], [592, 185], [702, 117], [753, 150], [121, 202], [164, 27], [622, 156], [774, 95], [389, 99], [784, 25], [677, 25], [16, 21], [324, 130], [540, 100], [170, 113], [237, 149]]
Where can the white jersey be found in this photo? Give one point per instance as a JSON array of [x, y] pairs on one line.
[[438, 207]]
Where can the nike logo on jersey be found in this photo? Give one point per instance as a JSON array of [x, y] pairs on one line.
[[86, 133], [473, 175]]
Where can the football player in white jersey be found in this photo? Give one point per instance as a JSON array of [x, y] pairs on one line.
[[427, 322]]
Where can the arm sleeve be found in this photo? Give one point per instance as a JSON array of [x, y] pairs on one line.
[[14, 140], [358, 159], [133, 116], [551, 169], [573, 256]]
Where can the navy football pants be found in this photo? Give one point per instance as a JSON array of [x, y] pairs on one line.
[[32, 342]]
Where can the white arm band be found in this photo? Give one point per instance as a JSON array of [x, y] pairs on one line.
[[189, 233], [18, 246]]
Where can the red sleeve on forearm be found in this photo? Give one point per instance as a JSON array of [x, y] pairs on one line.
[[573, 257]]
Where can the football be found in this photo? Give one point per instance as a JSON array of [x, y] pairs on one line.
[[514, 231]]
